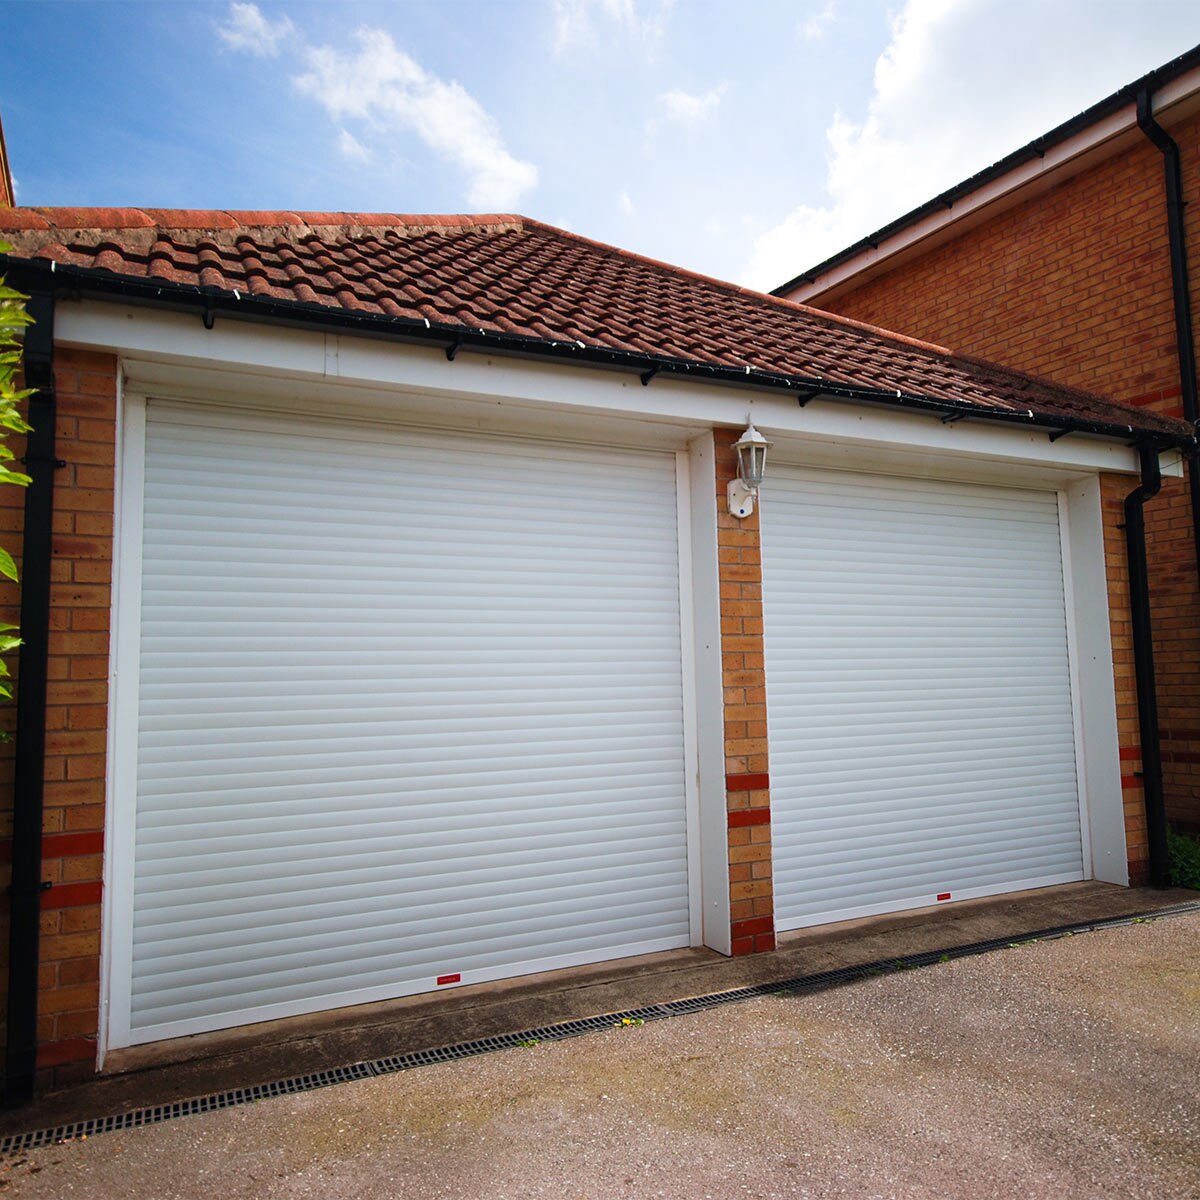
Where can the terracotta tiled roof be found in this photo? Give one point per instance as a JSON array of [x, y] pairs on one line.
[[508, 275]]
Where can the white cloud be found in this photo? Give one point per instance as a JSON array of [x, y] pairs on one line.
[[351, 147], [625, 203], [384, 87], [247, 29], [688, 109], [812, 27], [961, 84], [578, 21]]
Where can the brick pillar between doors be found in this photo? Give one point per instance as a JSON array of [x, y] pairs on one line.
[[747, 782]]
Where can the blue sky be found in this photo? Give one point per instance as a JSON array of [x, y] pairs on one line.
[[742, 138]]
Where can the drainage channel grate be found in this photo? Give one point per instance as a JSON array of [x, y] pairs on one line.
[[798, 985], [183, 1108]]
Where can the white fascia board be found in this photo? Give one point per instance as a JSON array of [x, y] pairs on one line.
[[172, 354], [1069, 157]]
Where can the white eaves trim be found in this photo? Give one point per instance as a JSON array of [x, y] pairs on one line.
[[173, 355], [1069, 157]]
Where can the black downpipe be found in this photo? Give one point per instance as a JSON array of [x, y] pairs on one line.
[[26, 889], [1143, 662], [1185, 346]]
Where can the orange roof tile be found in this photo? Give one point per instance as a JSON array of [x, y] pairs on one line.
[[513, 276]]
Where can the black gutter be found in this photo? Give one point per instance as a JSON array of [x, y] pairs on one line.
[[211, 303], [26, 888], [1033, 150], [1185, 346], [1143, 663]]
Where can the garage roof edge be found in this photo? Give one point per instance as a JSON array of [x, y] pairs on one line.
[[68, 280]]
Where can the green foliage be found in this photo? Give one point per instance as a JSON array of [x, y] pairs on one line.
[[1183, 854], [13, 318]]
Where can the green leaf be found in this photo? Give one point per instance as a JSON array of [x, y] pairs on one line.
[[8, 568], [15, 421], [9, 644], [17, 477]]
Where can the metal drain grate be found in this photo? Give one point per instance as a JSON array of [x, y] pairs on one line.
[[183, 1108], [798, 985]]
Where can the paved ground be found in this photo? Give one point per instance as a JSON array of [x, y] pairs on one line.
[[1060, 1069]]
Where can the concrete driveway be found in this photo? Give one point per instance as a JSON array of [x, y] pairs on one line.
[[1068, 1068]]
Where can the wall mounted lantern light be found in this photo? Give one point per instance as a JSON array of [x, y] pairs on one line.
[[751, 450]]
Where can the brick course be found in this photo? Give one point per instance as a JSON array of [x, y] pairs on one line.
[[1075, 285]]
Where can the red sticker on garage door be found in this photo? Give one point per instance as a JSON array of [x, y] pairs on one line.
[[943, 895], [455, 978]]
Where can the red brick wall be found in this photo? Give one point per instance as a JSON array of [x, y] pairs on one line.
[[748, 796], [76, 716], [1075, 285]]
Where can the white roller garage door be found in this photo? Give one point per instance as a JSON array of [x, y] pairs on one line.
[[919, 693], [410, 708]]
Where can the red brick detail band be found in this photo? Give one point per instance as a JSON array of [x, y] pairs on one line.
[[69, 895], [748, 783], [61, 845], [751, 927], [749, 816], [54, 1054], [70, 845]]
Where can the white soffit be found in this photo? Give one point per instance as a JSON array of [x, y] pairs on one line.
[[1090, 146], [173, 355]]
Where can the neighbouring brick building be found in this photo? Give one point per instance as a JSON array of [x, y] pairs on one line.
[[394, 640], [1058, 261]]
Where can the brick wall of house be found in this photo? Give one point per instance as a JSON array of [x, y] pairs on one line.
[[1075, 285], [76, 716], [747, 783]]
